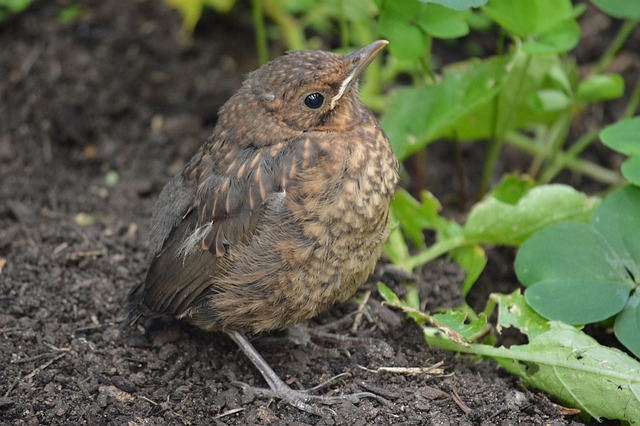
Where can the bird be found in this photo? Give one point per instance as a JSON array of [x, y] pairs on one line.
[[281, 213]]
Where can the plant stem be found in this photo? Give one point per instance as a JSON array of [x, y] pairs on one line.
[[291, 30], [575, 150], [556, 137], [257, 15], [344, 27], [634, 100], [594, 171], [615, 45], [497, 141], [436, 250]]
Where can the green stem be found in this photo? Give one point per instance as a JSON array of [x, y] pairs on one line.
[[257, 15], [555, 139], [497, 141], [436, 250], [634, 100], [575, 150], [291, 30], [594, 171], [615, 45], [344, 27]]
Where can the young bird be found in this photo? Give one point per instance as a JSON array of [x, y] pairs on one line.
[[281, 213]]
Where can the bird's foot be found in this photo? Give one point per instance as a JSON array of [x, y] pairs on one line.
[[303, 336], [303, 399]]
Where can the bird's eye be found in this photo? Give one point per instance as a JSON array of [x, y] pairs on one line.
[[314, 100]]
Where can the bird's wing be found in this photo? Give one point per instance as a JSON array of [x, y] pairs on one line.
[[196, 225]]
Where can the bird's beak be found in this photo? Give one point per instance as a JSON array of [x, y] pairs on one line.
[[360, 59]]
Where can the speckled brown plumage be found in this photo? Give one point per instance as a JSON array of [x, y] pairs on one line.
[[283, 211]]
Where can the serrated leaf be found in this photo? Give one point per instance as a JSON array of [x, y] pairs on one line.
[[573, 367], [414, 217], [495, 222], [458, 321], [418, 115], [513, 311]]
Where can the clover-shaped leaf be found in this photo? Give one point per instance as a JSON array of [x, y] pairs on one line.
[[581, 274]]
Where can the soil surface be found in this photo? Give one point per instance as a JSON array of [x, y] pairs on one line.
[[95, 116]]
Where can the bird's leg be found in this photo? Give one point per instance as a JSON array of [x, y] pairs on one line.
[[279, 389]]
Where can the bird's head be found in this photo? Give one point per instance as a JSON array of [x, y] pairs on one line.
[[305, 91]]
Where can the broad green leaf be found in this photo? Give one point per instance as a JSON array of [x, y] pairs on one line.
[[495, 222], [531, 17], [576, 369], [600, 87], [416, 116], [627, 325], [397, 23], [458, 4], [618, 220], [631, 169], [513, 311], [623, 136], [568, 251], [442, 22], [578, 301], [623, 9], [560, 39]]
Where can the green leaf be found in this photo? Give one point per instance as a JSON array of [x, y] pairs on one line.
[[512, 188], [623, 9], [396, 247], [414, 217], [568, 251], [387, 293], [580, 274], [531, 17], [459, 322], [618, 220], [560, 39], [578, 301], [442, 22], [418, 115], [458, 4], [573, 367], [600, 88], [397, 23], [548, 100], [495, 222], [513, 311], [623, 136], [627, 325], [472, 259], [631, 169]]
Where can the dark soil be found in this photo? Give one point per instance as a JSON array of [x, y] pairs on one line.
[[115, 93]]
